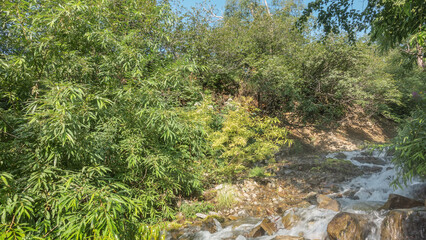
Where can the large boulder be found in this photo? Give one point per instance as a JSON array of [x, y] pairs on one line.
[[265, 227], [348, 226], [396, 201], [404, 224], [328, 203]]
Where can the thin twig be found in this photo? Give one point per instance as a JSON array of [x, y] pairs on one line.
[[51, 230], [8, 125], [11, 224], [212, 14], [4, 120], [10, 134]]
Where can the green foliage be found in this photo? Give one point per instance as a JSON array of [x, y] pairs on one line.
[[190, 209], [246, 137], [289, 75], [340, 77], [257, 172], [94, 114], [225, 197], [69, 204], [238, 136], [101, 130], [391, 21], [410, 148], [106, 118]]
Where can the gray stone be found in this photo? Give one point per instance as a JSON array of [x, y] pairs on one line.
[[396, 201], [341, 155], [201, 215], [404, 224], [369, 159]]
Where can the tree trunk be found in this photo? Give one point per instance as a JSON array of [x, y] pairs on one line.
[[420, 60], [267, 8]]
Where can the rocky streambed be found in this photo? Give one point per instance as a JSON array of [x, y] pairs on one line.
[[344, 195]]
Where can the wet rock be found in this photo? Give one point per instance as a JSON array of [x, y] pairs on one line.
[[340, 155], [334, 188], [303, 204], [342, 178], [189, 233], [330, 188], [419, 191], [367, 154], [290, 220], [265, 227], [373, 169], [287, 238], [311, 198], [328, 203], [348, 226], [404, 224], [370, 159], [242, 213], [351, 194], [211, 224], [175, 234], [201, 215], [396, 201]]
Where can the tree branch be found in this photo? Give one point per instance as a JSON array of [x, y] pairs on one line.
[[212, 13], [267, 8]]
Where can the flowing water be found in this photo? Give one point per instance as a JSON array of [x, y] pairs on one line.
[[369, 192]]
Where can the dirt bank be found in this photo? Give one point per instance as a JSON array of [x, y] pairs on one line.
[[351, 133]]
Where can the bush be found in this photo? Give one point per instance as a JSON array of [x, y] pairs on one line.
[[225, 197], [95, 140], [257, 172], [238, 136], [246, 136], [410, 148], [189, 210]]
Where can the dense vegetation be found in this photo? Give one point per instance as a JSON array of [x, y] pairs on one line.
[[393, 24], [110, 110]]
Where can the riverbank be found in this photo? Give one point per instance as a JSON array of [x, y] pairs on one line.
[[301, 197]]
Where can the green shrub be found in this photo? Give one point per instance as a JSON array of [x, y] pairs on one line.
[[226, 196], [190, 209], [98, 137], [257, 172], [246, 136], [410, 148]]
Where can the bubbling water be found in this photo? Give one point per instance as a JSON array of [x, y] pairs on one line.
[[370, 191]]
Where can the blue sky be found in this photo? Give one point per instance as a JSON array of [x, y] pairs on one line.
[[220, 4]]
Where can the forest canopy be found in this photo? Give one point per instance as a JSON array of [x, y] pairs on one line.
[[111, 111]]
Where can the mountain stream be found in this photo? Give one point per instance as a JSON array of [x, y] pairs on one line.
[[368, 193]]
